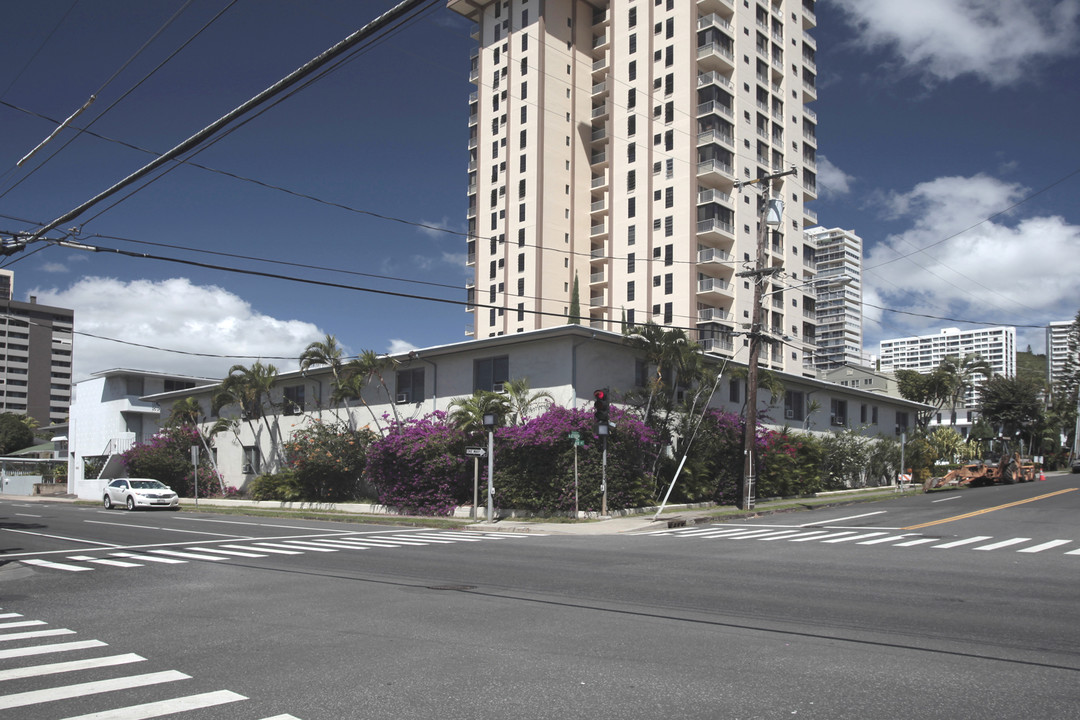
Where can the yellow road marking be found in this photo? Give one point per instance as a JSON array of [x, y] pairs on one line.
[[991, 509]]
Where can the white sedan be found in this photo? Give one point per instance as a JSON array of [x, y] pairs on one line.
[[139, 492]]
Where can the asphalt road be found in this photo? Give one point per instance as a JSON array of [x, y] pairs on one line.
[[949, 605]]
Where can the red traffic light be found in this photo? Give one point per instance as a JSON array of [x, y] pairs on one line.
[[599, 394]]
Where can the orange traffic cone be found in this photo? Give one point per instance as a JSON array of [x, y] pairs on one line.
[[1042, 476]]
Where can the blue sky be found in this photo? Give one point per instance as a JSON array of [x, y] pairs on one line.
[[935, 116]]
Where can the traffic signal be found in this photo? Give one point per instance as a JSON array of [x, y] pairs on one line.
[[601, 406]]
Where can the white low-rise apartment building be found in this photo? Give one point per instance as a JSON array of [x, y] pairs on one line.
[[567, 361], [108, 416]]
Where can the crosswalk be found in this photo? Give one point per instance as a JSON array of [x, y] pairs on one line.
[[231, 550], [866, 536], [48, 667]]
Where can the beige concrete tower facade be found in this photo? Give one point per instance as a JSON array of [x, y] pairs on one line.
[[606, 139]]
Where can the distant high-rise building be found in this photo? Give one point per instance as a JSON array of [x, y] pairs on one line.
[[838, 287], [606, 139], [7, 284], [995, 345], [1057, 349], [35, 369]]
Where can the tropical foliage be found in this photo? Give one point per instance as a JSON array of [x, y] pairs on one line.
[[167, 457], [327, 461], [14, 433]]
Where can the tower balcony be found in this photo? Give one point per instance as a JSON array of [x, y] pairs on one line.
[[714, 344], [706, 197], [707, 79], [716, 233], [712, 20], [598, 232], [809, 91], [714, 56], [717, 137], [716, 173], [724, 7], [714, 108], [715, 289], [599, 206], [598, 160], [713, 314], [714, 257]]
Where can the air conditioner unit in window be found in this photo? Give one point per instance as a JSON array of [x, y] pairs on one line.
[[402, 398], [498, 387], [789, 414]]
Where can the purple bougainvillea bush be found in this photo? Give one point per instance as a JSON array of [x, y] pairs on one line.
[[534, 463], [419, 466], [167, 457]]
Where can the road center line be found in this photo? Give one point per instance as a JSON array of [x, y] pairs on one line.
[[989, 509]]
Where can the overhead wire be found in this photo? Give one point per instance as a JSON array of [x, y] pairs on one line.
[[130, 90], [444, 230]]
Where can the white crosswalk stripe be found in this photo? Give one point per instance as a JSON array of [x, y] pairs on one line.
[[149, 558], [1045, 546], [864, 536], [180, 554], [1003, 543], [56, 565], [59, 681]]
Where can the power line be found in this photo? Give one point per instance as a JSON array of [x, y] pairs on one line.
[[199, 138]]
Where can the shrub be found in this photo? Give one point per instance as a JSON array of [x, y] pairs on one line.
[[534, 463], [167, 457], [327, 460], [419, 466], [282, 487], [789, 465]]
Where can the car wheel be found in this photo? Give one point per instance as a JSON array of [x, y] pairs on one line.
[[130, 503], [108, 502]]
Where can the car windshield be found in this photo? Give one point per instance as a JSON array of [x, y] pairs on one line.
[[147, 485]]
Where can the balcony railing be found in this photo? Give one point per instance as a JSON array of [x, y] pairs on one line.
[[707, 255], [713, 314]]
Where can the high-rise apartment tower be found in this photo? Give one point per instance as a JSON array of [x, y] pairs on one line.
[[605, 142], [838, 290]]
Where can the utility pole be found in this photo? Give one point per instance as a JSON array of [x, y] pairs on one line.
[[746, 496]]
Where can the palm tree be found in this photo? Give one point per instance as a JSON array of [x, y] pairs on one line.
[[960, 375], [371, 366], [250, 389], [521, 403], [667, 350], [468, 412], [325, 353], [351, 386], [188, 412]]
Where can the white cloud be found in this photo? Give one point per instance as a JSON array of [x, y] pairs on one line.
[[831, 180], [176, 315], [398, 345], [954, 262], [54, 267], [998, 41]]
